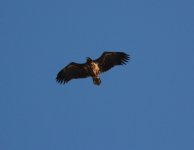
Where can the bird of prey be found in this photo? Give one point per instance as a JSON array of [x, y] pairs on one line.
[[92, 68]]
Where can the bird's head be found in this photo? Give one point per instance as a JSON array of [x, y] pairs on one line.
[[88, 59]]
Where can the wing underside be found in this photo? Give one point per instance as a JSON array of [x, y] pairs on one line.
[[72, 71], [110, 59]]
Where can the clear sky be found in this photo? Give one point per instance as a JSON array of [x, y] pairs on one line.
[[146, 105]]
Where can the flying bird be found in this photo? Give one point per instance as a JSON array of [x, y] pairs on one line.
[[92, 68]]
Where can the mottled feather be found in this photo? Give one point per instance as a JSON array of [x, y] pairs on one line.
[[110, 59], [72, 71]]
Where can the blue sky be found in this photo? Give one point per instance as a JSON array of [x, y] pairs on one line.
[[146, 105]]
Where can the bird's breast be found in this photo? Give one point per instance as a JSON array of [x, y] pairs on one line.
[[95, 68]]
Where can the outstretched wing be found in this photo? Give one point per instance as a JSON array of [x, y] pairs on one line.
[[110, 59], [72, 71]]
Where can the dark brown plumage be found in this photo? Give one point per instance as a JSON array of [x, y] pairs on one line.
[[110, 59], [92, 68]]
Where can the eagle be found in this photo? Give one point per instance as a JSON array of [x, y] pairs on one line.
[[92, 68]]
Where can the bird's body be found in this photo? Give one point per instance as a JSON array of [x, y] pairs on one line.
[[95, 72], [92, 68]]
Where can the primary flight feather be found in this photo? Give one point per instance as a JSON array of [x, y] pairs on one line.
[[92, 68]]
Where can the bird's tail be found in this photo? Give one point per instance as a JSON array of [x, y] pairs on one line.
[[96, 80]]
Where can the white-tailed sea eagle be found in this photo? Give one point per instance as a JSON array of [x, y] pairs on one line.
[[92, 68]]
